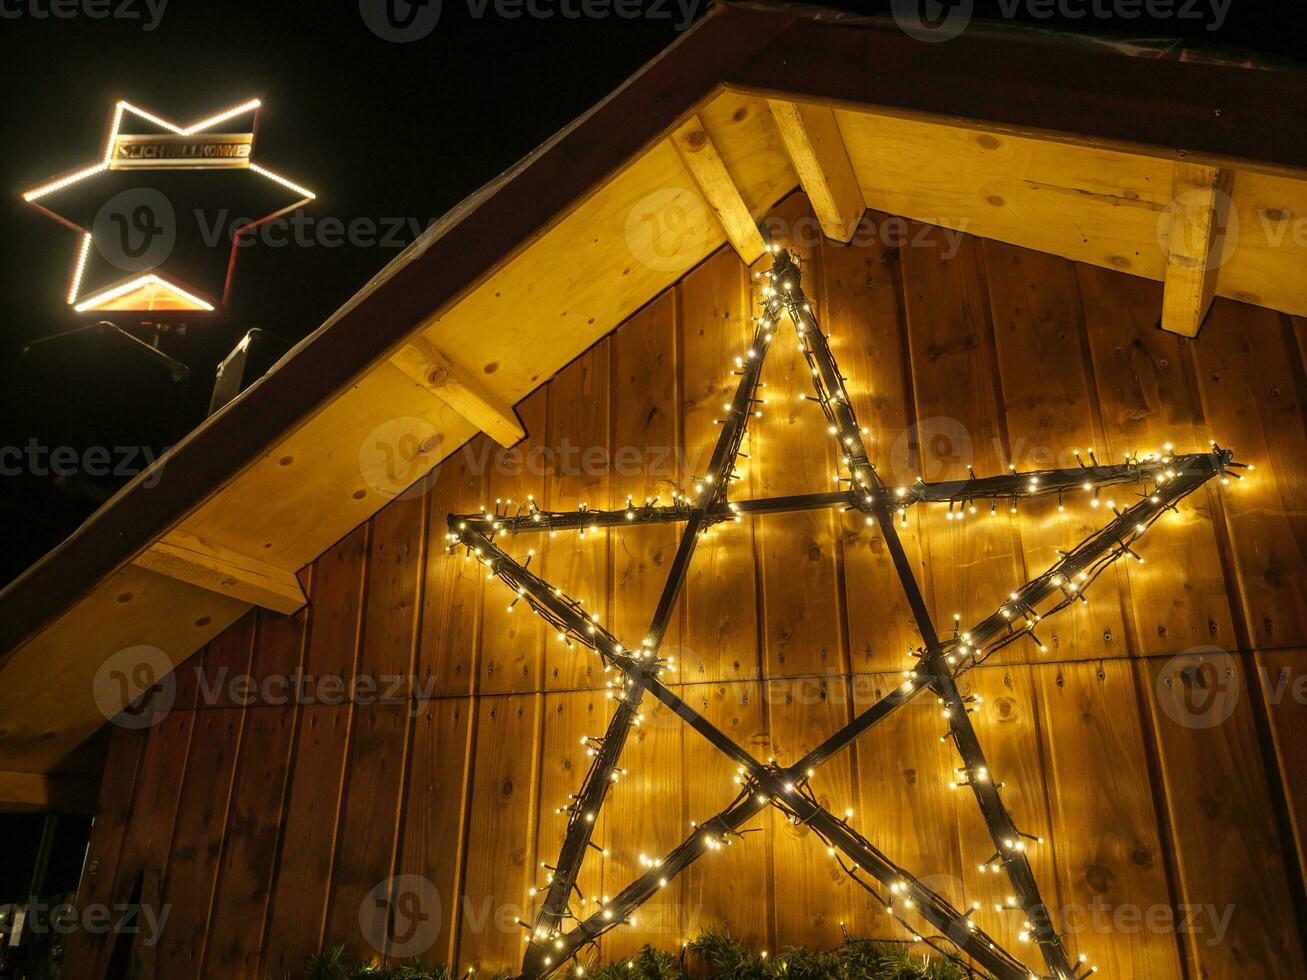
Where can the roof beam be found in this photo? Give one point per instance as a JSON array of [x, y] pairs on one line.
[[1199, 210], [816, 149], [185, 558], [29, 792], [460, 390], [705, 164]]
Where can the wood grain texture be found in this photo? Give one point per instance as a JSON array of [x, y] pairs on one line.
[[1249, 379], [577, 473], [1049, 406], [270, 824], [1229, 854], [908, 808], [645, 818], [973, 560], [864, 317], [1280, 676], [198, 838], [1112, 860], [802, 625], [720, 597], [502, 859], [434, 831], [513, 643], [452, 592], [731, 888], [819, 899], [240, 902], [1008, 726], [1179, 597]]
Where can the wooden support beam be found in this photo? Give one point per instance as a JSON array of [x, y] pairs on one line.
[[187, 559], [32, 792], [816, 149], [1197, 245], [460, 390], [705, 164]]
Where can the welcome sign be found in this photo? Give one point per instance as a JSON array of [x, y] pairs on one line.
[[207, 150]]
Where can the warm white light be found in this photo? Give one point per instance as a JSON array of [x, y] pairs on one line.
[[122, 289], [76, 284], [63, 182], [277, 178]]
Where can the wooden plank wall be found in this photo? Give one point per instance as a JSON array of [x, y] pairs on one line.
[[1156, 746]]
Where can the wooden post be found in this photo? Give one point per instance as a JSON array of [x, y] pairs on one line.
[[1199, 211]]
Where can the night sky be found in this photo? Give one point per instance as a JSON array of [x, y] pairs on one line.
[[380, 130]]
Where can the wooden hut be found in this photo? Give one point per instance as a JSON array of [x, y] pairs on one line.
[[1017, 246]]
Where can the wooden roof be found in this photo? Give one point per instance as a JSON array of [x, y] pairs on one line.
[[1065, 146]]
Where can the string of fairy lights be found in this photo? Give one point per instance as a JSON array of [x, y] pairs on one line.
[[1160, 480]]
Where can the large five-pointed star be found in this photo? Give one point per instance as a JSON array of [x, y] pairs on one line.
[[1162, 479], [159, 215]]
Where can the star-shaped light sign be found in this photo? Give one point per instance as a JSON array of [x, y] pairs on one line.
[[129, 230], [565, 920]]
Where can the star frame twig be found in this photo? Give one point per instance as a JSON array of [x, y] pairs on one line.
[[1164, 480]]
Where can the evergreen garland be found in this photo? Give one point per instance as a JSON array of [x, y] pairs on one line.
[[714, 955]]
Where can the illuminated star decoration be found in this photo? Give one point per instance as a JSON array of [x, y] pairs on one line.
[[172, 148], [1162, 480]]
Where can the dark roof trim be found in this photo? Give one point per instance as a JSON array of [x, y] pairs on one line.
[[1005, 78]]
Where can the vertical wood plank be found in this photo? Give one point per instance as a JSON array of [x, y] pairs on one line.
[[1248, 381], [863, 314], [297, 906], [336, 603], [644, 811], [1229, 855], [568, 718], [793, 453], [198, 840], [376, 762], [123, 773], [147, 849], [1178, 597], [435, 825], [1048, 404], [1110, 852], [909, 814], [369, 816], [226, 659], [235, 929], [973, 561], [1008, 726], [578, 474], [512, 644], [730, 889], [298, 901], [395, 564], [814, 897], [278, 650], [645, 816], [501, 861], [720, 598], [1281, 676], [257, 804], [451, 596], [645, 449]]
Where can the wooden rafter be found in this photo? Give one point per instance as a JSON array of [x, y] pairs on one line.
[[704, 162], [187, 559], [460, 390], [816, 149], [1198, 212]]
